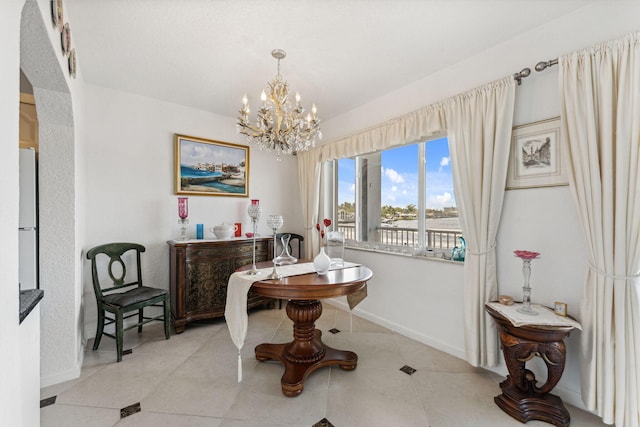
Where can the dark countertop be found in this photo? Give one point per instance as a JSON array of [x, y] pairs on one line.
[[29, 299]]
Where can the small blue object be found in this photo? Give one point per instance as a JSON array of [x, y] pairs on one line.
[[199, 231], [458, 252]]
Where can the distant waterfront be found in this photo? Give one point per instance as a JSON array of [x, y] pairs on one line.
[[432, 223]]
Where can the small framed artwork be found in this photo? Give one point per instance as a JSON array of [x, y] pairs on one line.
[[204, 167], [560, 308], [536, 156]]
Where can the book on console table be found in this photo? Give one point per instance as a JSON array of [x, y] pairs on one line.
[[545, 316]]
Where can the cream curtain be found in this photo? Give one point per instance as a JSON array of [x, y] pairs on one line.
[[479, 130], [600, 101], [309, 168], [413, 127]]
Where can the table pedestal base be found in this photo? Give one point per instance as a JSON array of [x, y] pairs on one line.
[[306, 352], [526, 407]]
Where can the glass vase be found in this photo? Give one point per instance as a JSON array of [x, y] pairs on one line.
[[322, 262], [335, 248], [285, 257]]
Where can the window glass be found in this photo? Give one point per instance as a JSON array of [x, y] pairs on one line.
[[441, 212], [346, 211]]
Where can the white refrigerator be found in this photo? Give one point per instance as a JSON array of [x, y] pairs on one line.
[[28, 223]]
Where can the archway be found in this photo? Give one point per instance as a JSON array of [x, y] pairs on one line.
[[61, 346]]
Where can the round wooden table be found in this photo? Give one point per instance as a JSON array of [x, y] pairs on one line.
[[307, 352]]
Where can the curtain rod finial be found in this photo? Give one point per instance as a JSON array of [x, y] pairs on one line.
[[542, 65], [525, 72]]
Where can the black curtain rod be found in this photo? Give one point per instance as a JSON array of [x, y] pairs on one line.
[[540, 66]]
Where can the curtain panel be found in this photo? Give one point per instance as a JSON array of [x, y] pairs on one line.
[[478, 124], [600, 102], [309, 167], [479, 130]]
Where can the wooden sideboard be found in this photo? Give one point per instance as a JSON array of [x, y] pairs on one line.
[[200, 271]]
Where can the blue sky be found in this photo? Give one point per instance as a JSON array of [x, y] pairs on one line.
[[400, 176]]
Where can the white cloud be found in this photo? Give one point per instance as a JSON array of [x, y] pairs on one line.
[[444, 162], [352, 188], [394, 176], [394, 188], [443, 199]]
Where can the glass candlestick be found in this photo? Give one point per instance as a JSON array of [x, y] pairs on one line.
[[183, 228], [254, 211], [274, 222], [526, 289]]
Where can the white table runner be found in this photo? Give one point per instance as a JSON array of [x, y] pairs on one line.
[[235, 311]]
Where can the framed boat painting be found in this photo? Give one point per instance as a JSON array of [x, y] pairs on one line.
[[535, 159], [204, 167]]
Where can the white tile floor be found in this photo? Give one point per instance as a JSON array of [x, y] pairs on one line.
[[190, 380]]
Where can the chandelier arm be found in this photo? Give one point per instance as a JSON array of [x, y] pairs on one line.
[[249, 130]]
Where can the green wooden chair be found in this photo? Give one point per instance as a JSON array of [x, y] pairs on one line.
[[118, 294]]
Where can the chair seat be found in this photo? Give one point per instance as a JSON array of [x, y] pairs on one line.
[[133, 296]]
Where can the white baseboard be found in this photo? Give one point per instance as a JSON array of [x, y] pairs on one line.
[[60, 377]]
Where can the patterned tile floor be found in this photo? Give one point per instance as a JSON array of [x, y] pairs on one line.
[[190, 380]]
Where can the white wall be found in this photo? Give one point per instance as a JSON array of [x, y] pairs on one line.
[[422, 298], [130, 181], [59, 106], [10, 338], [27, 42]]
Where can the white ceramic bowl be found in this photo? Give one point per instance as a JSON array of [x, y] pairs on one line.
[[223, 231]]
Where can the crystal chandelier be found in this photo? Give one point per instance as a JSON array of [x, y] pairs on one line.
[[279, 126]]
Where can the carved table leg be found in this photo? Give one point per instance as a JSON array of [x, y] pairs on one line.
[[306, 352], [521, 397]]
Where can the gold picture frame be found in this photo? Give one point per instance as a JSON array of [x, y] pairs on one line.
[[535, 159], [204, 167]]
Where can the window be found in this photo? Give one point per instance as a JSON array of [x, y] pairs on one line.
[[399, 200]]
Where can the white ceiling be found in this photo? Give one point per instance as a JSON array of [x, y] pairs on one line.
[[340, 53]]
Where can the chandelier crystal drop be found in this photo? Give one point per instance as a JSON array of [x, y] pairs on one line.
[[279, 125]]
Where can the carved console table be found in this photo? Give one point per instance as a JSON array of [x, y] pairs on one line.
[[521, 397], [199, 273]]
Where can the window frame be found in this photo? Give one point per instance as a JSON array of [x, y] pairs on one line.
[[420, 249]]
